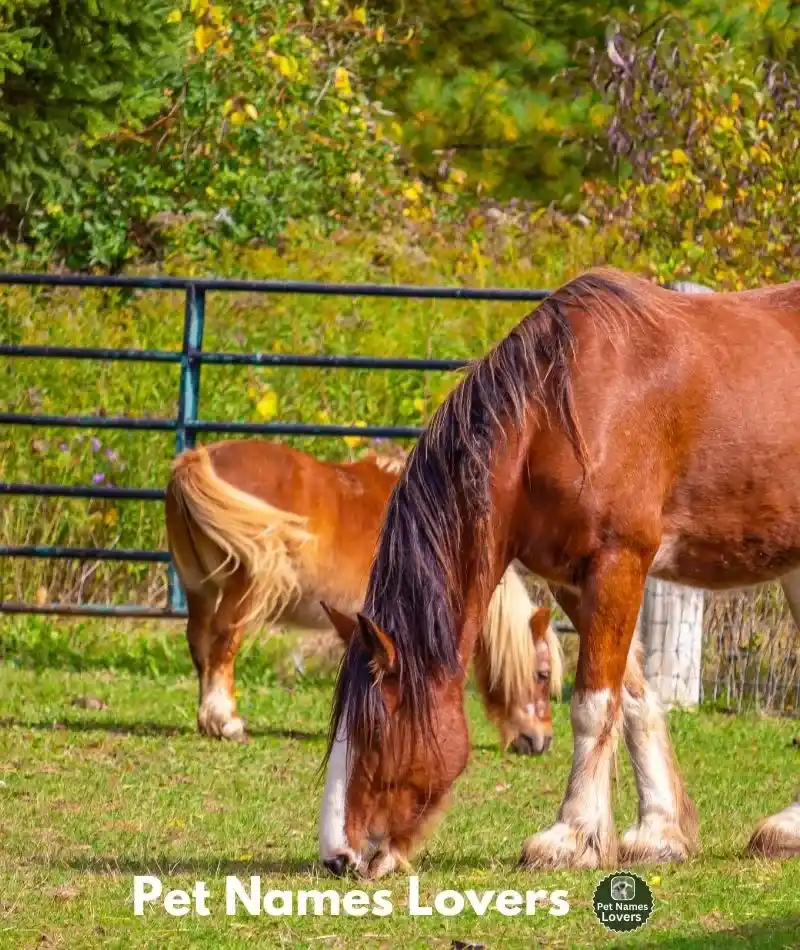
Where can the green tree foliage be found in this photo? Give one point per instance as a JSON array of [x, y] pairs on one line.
[[491, 86], [264, 119], [705, 148], [71, 71]]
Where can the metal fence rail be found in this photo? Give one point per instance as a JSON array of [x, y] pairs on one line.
[[186, 422]]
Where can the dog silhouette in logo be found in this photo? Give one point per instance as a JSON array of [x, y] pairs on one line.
[[623, 889]]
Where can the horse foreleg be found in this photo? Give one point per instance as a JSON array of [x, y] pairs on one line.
[[779, 835], [667, 828], [583, 835], [216, 715]]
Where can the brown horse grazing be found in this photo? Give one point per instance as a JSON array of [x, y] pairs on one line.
[[261, 532], [619, 429]]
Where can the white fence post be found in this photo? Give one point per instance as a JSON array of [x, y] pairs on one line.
[[670, 626]]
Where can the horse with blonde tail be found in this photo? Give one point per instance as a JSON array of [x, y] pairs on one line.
[[620, 429], [261, 533]]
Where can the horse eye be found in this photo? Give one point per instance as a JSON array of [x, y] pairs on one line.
[[543, 677]]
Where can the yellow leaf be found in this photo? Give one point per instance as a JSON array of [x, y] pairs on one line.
[[216, 15], [251, 110], [458, 175], [359, 15], [419, 405], [204, 36], [199, 7], [224, 46], [655, 880], [713, 202], [380, 34], [175, 16], [252, 392], [341, 80], [679, 157], [267, 406], [111, 517], [228, 107]]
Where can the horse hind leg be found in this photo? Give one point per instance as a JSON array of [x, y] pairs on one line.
[[667, 829], [216, 715], [584, 835], [778, 836]]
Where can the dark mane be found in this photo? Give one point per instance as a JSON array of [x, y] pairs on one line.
[[435, 534]]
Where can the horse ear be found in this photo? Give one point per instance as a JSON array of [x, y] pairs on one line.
[[540, 622], [378, 644], [343, 625]]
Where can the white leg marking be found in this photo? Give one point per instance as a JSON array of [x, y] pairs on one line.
[[666, 828], [217, 714], [583, 836]]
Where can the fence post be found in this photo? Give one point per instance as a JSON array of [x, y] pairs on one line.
[[188, 401], [671, 629], [671, 620]]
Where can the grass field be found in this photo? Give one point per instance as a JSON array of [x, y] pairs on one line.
[[89, 798]]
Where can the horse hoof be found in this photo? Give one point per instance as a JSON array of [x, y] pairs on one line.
[[561, 847], [233, 730], [777, 836], [654, 843]]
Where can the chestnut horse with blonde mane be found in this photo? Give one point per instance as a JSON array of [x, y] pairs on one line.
[[620, 429], [260, 532]]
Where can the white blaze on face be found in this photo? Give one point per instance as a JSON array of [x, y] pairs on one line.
[[332, 837]]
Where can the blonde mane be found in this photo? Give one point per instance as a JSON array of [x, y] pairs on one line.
[[393, 464], [509, 644]]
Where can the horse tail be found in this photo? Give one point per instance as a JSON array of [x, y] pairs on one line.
[[215, 530]]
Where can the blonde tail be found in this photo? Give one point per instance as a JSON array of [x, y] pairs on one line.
[[228, 530]]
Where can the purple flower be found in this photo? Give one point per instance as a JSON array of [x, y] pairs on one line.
[[96, 444], [111, 455], [63, 447], [98, 478]]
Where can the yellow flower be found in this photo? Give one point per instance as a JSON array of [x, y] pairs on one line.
[[267, 406], [359, 15], [380, 34], [412, 192], [679, 157], [199, 7], [353, 440], [111, 517], [286, 66], [713, 202], [341, 80], [419, 405], [238, 117], [204, 36], [175, 16], [251, 110]]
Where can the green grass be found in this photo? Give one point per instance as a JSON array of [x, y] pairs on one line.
[[91, 798]]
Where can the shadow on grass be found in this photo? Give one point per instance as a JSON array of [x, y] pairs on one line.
[[777, 933], [145, 729], [169, 864]]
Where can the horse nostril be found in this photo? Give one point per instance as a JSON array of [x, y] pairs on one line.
[[548, 741], [338, 865], [523, 745]]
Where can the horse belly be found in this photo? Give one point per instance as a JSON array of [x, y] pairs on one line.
[[726, 548]]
